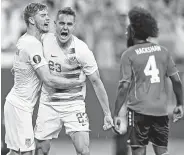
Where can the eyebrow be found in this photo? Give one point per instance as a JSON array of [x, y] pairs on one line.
[[43, 13]]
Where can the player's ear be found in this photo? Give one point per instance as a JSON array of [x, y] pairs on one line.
[[31, 20]]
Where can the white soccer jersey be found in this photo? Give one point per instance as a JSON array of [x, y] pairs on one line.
[[27, 85], [69, 64]]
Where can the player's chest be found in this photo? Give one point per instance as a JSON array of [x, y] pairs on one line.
[[61, 60]]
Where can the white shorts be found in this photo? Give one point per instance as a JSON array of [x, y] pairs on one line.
[[19, 133], [50, 122]]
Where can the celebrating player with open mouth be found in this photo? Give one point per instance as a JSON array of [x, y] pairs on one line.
[[70, 58]]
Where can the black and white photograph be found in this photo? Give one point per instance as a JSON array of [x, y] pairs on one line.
[[92, 77]]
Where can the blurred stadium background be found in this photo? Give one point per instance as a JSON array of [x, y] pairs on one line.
[[101, 24]]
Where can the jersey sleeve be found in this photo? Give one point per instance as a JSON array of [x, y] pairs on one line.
[[125, 68], [171, 66], [86, 59], [35, 52]]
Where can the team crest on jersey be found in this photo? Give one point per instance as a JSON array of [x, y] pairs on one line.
[[37, 59], [71, 57], [71, 51], [28, 142]]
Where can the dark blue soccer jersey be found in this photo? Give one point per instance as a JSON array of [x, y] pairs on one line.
[[146, 66]]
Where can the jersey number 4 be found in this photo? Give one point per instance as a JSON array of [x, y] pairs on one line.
[[152, 70]]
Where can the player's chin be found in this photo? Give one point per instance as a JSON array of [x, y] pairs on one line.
[[64, 39], [45, 30]]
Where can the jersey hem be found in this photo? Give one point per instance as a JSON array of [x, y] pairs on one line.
[[148, 114]]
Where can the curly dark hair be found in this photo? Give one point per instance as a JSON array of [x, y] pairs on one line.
[[143, 23]]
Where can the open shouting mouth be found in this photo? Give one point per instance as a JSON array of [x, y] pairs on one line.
[[64, 35]]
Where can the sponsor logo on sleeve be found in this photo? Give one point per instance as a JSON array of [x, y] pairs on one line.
[[37, 59]]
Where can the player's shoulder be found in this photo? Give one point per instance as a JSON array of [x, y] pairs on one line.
[[27, 41], [82, 50], [128, 52], [79, 43], [161, 49], [26, 38]]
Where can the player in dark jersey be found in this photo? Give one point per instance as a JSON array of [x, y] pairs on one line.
[[145, 67]]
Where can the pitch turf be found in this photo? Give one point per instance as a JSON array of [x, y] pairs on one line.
[[105, 147]]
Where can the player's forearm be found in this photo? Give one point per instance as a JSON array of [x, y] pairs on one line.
[[102, 96], [121, 97], [57, 81], [177, 88]]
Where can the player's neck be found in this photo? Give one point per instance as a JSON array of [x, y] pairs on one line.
[[34, 32], [65, 45], [138, 41]]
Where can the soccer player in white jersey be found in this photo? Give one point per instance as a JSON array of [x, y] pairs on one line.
[[67, 57], [29, 67]]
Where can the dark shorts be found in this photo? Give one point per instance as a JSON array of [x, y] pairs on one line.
[[145, 128]]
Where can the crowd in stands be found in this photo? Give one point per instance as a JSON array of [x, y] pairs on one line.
[[101, 24]]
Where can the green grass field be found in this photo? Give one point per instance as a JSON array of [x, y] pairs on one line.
[[106, 147]]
